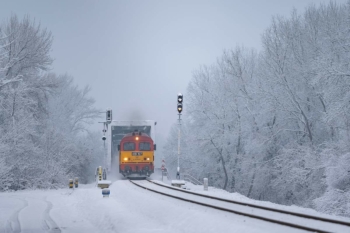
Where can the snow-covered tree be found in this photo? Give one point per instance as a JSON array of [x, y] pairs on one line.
[[43, 118], [274, 125]]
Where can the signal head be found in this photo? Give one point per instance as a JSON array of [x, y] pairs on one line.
[[180, 98], [109, 115], [179, 108], [104, 138]]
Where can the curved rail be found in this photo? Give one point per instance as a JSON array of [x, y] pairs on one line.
[[336, 221], [281, 222]]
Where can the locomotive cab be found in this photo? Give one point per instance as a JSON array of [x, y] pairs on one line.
[[136, 155]]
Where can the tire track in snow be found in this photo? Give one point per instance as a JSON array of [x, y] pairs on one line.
[[102, 220], [48, 223], [13, 224]]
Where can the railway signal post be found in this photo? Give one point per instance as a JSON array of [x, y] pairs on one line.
[[106, 123], [179, 109]]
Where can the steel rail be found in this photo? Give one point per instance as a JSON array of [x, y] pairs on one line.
[[293, 225], [340, 222]]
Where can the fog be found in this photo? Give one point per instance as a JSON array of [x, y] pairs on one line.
[[137, 55]]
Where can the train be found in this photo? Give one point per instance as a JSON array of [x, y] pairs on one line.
[[136, 155]]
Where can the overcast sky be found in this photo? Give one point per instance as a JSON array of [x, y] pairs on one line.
[[137, 55]]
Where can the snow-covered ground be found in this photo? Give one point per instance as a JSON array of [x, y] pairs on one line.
[[212, 191], [128, 209]]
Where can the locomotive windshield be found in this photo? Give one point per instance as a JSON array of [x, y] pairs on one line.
[[145, 146], [129, 146]]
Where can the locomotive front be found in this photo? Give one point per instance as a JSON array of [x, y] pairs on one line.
[[136, 155]]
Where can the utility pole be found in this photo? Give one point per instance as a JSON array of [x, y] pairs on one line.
[[179, 109]]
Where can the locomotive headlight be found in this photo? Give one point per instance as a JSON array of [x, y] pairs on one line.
[[137, 138], [147, 158], [125, 159]]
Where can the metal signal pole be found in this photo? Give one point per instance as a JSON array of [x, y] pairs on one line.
[[179, 109], [178, 145], [108, 121]]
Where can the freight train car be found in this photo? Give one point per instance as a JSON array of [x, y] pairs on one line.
[[136, 155]]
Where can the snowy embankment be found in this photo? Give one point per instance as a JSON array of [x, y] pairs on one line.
[[220, 193], [128, 209]]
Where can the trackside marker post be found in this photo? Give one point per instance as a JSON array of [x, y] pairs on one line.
[[70, 183], [105, 192], [205, 184]]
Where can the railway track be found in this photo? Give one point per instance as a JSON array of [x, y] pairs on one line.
[[283, 217]]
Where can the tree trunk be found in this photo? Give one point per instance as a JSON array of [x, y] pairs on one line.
[[238, 149], [251, 184], [222, 163], [224, 167]]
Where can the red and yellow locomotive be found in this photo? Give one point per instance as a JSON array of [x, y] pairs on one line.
[[136, 155]]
